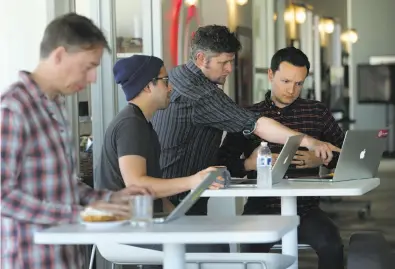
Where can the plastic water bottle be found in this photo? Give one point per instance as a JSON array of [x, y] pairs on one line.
[[264, 166]]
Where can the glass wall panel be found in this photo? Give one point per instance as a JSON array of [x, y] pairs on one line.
[[129, 33], [129, 27], [84, 114]]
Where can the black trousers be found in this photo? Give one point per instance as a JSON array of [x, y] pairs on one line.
[[315, 229]]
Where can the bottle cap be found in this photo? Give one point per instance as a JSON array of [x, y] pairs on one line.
[[264, 144]]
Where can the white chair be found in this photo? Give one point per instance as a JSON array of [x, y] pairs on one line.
[[226, 207], [125, 254]]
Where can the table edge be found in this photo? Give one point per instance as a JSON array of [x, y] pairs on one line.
[[253, 192]]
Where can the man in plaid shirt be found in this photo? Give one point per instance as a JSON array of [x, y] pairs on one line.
[[38, 183]]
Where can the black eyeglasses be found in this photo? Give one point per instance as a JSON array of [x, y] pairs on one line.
[[165, 80]]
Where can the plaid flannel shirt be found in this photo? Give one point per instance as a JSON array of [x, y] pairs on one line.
[[39, 187]]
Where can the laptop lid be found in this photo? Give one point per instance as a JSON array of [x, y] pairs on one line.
[[192, 197], [361, 154], [283, 161], [285, 157]]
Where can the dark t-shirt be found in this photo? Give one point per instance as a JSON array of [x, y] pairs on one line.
[[129, 133]]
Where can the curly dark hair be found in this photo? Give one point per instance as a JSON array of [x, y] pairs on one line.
[[214, 39]]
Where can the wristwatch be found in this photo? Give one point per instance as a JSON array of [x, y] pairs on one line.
[[249, 130]]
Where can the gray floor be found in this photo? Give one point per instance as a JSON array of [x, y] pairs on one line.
[[382, 216]]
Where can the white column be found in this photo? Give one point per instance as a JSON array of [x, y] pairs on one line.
[[336, 46], [281, 36], [156, 26], [270, 41], [260, 33], [304, 36], [181, 32], [336, 67], [103, 92], [317, 58], [147, 26], [264, 43], [351, 69], [290, 240], [306, 33], [174, 256]]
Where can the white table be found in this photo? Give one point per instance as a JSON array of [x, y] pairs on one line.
[[174, 235], [289, 191]]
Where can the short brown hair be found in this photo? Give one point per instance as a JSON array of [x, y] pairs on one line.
[[73, 32]]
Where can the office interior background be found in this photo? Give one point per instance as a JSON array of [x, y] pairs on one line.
[[349, 43]]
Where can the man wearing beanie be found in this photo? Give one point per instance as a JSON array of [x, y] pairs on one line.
[[131, 149]]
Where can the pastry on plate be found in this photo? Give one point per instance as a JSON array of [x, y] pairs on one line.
[[95, 215]]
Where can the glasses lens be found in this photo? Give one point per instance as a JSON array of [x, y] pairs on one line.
[[165, 80]]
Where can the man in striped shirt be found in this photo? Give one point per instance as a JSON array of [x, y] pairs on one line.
[[289, 68], [191, 128]]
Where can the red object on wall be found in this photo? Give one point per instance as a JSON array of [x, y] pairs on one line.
[[175, 21], [175, 17], [191, 13]]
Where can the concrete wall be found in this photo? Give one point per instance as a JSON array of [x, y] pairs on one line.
[[371, 19], [21, 33], [332, 8], [20, 36], [214, 12]]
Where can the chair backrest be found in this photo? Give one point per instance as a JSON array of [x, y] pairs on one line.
[[127, 254]]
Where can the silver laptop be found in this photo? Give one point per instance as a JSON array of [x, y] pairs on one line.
[[283, 161], [359, 158], [189, 200]]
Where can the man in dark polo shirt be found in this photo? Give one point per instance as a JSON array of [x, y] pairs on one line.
[[288, 70], [131, 150], [191, 128]]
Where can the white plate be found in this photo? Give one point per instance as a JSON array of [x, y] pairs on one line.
[[104, 224]]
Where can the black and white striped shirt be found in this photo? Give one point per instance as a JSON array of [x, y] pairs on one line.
[[191, 128]]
